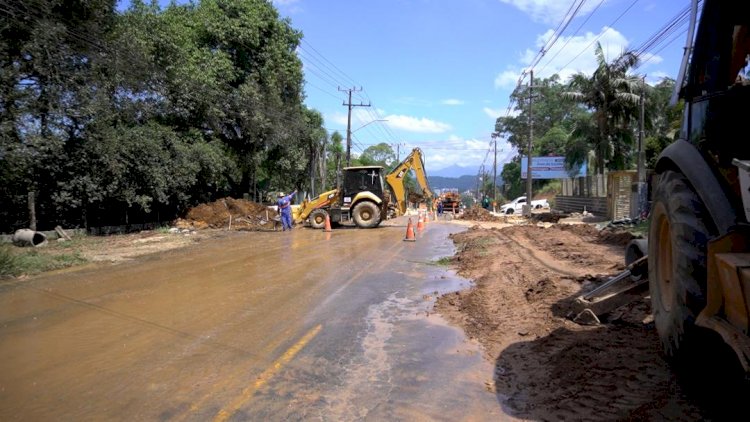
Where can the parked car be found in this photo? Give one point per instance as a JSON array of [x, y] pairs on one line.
[[516, 205]]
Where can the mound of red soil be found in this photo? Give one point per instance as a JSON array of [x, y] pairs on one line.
[[238, 214], [480, 214]]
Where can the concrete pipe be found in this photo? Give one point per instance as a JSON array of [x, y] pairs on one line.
[[28, 237]]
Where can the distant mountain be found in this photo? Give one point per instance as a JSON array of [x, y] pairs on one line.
[[453, 171]]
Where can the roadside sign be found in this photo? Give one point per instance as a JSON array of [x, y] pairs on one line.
[[549, 168]]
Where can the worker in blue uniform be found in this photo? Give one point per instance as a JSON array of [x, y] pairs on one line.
[[285, 210]]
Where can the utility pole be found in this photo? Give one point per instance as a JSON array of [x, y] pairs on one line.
[[527, 207], [494, 170], [479, 181], [349, 121], [640, 193], [324, 166]]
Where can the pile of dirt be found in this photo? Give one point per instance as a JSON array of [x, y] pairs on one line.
[[547, 217], [614, 236], [238, 214], [547, 367], [608, 235], [481, 214]]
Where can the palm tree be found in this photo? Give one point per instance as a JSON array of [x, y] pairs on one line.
[[610, 94]]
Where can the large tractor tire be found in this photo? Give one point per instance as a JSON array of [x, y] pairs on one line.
[[366, 215], [318, 218], [677, 261]]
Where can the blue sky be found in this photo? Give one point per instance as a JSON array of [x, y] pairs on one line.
[[437, 73], [440, 72]]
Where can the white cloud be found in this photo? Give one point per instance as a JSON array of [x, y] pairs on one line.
[[653, 78], [338, 118], [507, 79], [549, 11], [493, 113], [457, 151], [571, 55], [648, 59], [415, 124], [452, 102]]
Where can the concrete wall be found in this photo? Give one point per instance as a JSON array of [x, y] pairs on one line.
[[594, 205]]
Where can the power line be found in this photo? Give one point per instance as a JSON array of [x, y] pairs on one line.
[[572, 36], [332, 64], [600, 35]]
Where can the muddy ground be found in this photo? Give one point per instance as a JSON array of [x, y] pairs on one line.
[[548, 367], [520, 308]]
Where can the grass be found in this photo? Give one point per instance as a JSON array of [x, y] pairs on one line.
[[444, 261], [15, 261]]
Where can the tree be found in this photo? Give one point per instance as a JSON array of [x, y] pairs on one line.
[[612, 95], [512, 177], [378, 155], [106, 115], [550, 110], [335, 154], [664, 119]]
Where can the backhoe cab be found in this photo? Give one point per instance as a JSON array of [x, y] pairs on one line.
[[363, 197]]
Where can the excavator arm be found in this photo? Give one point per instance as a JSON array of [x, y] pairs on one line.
[[395, 179]]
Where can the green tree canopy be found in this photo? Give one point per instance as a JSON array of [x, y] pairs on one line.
[[612, 95]]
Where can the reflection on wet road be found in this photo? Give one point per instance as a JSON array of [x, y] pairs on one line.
[[255, 326]]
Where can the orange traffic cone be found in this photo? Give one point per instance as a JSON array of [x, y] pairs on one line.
[[420, 222], [410, 236], [426, 217], [328, 223]]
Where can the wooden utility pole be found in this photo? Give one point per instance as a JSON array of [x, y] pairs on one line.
[[641, 147], [479, 181], [527, 209], [494, 171], [639, 197], [349, 121]]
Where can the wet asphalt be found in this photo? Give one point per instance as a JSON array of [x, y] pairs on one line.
[[293, 325]]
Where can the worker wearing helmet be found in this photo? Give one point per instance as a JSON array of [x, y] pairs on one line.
[[285, 209]]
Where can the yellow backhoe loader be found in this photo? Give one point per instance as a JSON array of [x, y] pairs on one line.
[[699, 236], [363, 198]]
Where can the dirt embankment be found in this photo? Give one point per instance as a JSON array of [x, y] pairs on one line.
[[546, 366], [238, 214]]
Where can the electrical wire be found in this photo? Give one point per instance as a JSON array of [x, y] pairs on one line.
[[572, 36], [600, 35]]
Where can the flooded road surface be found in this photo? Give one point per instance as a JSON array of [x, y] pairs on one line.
[[254, 326]]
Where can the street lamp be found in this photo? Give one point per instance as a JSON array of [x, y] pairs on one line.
[[369, 123]]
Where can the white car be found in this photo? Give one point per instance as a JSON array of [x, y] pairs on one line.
[[516, 205]]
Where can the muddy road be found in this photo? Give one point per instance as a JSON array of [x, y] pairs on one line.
[[350, 325], [250, 326]]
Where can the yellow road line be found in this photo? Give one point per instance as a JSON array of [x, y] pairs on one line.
[[263, 378]]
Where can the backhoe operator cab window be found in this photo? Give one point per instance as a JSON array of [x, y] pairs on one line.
[[361, 179], [717, 92]]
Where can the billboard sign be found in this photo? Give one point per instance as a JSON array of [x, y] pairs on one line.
[[549, 168]]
